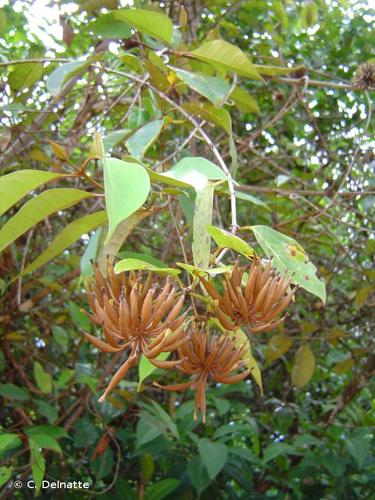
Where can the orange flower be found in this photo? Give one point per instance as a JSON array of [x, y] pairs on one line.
[[136, 315], [258, 303], [205, 358]]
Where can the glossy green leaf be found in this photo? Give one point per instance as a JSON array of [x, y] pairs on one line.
[[42, 378], [38, 464], [108, 26], [138, 264], [206, 111], [214, 88], [244, 101], [145, 367], [16, 185], [143, 138], [198, 475], [304, 366], [214, 455], [289, 256], [193, 171], [224, 55], [202, 219], [90, 253], [274, 450], [61, 74], [224, 239], [9, 440], [113, 138], [211, 271], [148, 22], [5, 475], [127, 186], [25, 75], [12, 391], [37, 209], [67, 236], [53, 431], [276, 70], [161, 489], [123, 230]]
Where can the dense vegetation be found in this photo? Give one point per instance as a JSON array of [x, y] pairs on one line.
[[181, 137]]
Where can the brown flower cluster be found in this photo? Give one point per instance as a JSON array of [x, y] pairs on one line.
[[364, 77], [134, 319], [204, 357], [259, 302], [142, 316]]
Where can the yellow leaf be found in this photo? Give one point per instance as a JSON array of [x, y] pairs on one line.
[[361, 296], [343, 366], [334, 335], [249, 358], [304, 366], [277, 346]]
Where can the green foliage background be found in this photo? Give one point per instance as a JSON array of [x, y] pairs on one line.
[[304, 165]]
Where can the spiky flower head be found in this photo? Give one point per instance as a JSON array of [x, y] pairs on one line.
[[205, 358], [258, 302], [137, 315]]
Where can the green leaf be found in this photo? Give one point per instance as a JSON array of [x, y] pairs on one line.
[[145, 367], [38, 464], [248, 357], [359, 446], [277, 346], [280, 13], [53, 431], [148, 22], [224, 55], [114, 138], [46, 442], [198, 475], [48, 411], [211, 271], [66, 237], [252, 199], [143, 138], [64, 377], [304, 366], [214, 88], [12, 391], [276, 70], [108, 26], [9, 440], [25, 75], [61, 74], [193, 171], [214, 455], [122, 231], [138, 264], [206, 111], [244, 101], [161, 489], [202, 219], [5, 475], [37, 209], [90, 253], [127, 186], [16, 185], [274, 450], [79, 319], [224, 239], [42, 378], [289, 256]]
